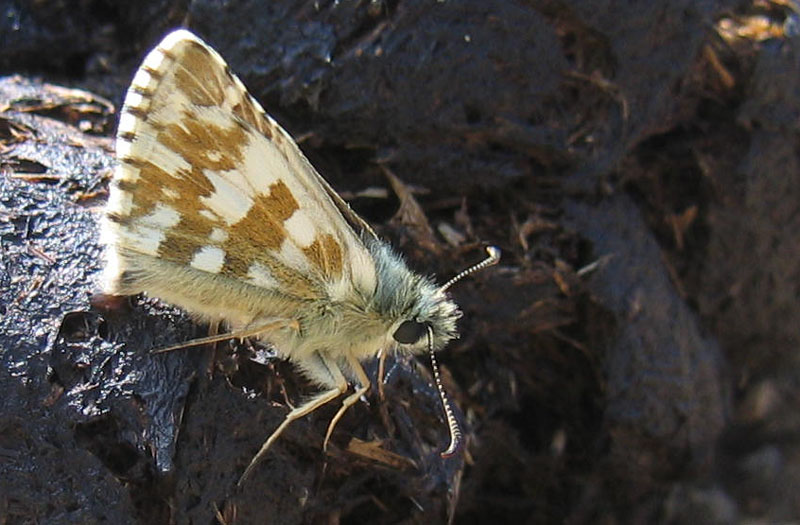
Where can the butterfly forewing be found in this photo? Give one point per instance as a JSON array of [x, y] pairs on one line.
[[207, 182]]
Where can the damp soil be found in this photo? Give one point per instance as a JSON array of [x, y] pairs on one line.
[[632, 359]]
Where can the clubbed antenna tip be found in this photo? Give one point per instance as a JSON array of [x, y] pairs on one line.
[[491, 260]]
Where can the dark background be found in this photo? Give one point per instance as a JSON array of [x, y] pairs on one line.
[[633, 359]]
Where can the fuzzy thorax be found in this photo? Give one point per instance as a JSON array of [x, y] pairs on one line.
[[402, 295], [366, 322]]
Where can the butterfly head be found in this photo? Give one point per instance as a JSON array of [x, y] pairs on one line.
[[430, 323], [422, 314], [424, 317]]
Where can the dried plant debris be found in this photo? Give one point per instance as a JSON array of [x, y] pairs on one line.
[[86, 111]]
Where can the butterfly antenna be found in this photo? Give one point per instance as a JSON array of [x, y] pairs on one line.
[[452, 422], [494, 258]]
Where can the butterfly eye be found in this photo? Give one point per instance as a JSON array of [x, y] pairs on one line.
[[409, 332]]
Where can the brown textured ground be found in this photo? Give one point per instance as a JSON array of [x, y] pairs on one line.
[[632, 359]]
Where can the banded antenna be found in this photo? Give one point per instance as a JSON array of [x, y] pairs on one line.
[[452, 422], [494, 258]]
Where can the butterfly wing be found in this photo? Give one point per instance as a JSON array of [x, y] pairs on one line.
[[213, 207]]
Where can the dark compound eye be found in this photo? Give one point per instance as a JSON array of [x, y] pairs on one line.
[[409, 332]]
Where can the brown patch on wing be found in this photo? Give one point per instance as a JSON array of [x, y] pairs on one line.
[[147, 189], [196, 79], [249, 112], [192, 232], [205, 145], [186, 238], [292, 282], [206, 84], [260, 230], [259, 234], [326, 254]]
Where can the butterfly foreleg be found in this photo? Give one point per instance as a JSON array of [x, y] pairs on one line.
[[363, 381], [325, 370]]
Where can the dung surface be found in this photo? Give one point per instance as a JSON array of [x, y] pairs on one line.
[[634, 352]]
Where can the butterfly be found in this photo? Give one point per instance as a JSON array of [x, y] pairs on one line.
[[214, 208]]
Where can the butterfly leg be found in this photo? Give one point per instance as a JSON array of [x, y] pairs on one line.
[[363, 381], [240, 334], [326, 371], [382, 354]]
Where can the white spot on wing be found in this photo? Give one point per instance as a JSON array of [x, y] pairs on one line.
[[112, 271], [208, 214], [147, 147], [291, 255], [123, 148], [127, 123], [227, 201], [264, 165], [142, 79], [362, 270], [135, 100], [163, 216], [214, 115], [175, 38], [260, 276], [234, 181], [301, 229], [209, 259], [218, 235], [142, 239], [120, 202], [154, 59]]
